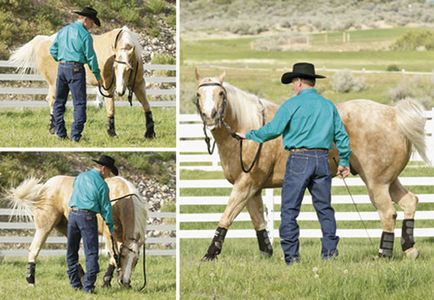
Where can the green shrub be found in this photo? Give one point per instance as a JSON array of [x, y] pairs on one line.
[[155, 6], [393, 68], [413, 40], [163, 59]]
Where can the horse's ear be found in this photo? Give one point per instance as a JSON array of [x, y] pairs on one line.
[[222, 76], [196, 72]]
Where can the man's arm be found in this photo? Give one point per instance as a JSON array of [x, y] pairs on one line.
[[106, 208], [342, 142], [272, 129], [54, 49], [91, 58]]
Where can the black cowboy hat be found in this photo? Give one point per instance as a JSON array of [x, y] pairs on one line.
[[108, 162], [90, 13], [301, 70]]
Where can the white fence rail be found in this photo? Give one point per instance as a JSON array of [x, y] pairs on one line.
[[91, 90], [194, 156], [15, 238]]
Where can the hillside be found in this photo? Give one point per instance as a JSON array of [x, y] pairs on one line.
[[154, 20], [226, 17]]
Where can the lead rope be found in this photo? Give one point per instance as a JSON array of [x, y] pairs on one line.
[[355, 206], [144, 252]]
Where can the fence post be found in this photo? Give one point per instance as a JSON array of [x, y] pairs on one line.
[[269, 210], [430, 130]]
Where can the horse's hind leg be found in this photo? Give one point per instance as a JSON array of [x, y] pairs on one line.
[[408, 202], [255, 206], [382, 201], [39, 239], [51, 97], [237, 201], [140, 93]]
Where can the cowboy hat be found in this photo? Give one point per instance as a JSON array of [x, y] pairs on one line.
[[108, 162], [90, 13], [301, 70]]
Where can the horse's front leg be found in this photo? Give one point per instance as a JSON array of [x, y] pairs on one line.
[[255, 206], [140, 93], [110, 107], [237, 201], [383, 202], [108, 276], [408, 202]]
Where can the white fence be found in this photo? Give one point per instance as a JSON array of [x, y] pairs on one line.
[[194, 156], [17, 238], [90, 90]]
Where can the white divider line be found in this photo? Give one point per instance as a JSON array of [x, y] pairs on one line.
[[304, 233], [304, 216]]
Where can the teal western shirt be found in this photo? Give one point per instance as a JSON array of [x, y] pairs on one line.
[[74, 43], [91, 192], [307, 120]]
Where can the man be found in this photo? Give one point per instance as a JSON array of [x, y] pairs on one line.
[[90, 195], [309, 124], [72, 48]]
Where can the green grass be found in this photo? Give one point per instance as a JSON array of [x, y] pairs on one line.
[[52, 281], [29, 128], [240, 272]]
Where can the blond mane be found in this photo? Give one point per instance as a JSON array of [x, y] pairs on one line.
[[131, 38]]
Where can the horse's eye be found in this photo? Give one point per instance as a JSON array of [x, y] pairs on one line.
[[198, 95], [221, 94]]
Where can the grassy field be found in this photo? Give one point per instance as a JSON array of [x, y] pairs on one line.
[[52, 280], [240, 272], [29, 128]]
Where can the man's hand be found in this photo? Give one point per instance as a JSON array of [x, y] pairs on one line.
[[343, 172], [241, 135], [100, 82]]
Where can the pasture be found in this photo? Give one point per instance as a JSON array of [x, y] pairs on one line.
[[29, 128], [52, 280]]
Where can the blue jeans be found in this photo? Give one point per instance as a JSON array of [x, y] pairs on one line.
[[70, 77], [82, 224], [307, 170]]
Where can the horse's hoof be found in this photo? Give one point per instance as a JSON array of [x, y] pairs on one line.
[[111, 133], [150, 134], [209, 257], [266, 254], [106, 284], [412, 253], [31, 285]]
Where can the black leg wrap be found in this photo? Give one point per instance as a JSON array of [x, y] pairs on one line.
[[30, 277], [51, 125], [386, 244], [264, 243], [108, 276], [150, 133], [111, 126], [216, 245], [407, 237]]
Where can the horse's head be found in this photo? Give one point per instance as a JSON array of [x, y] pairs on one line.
[[129, 256], [211, 99], [123, 67]]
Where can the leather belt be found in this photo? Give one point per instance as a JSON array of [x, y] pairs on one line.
[[309, 150], [82, 210], [70, 62]]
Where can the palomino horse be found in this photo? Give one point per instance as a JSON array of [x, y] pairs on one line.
[[47, 204], [381, 138], [119, 59]]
